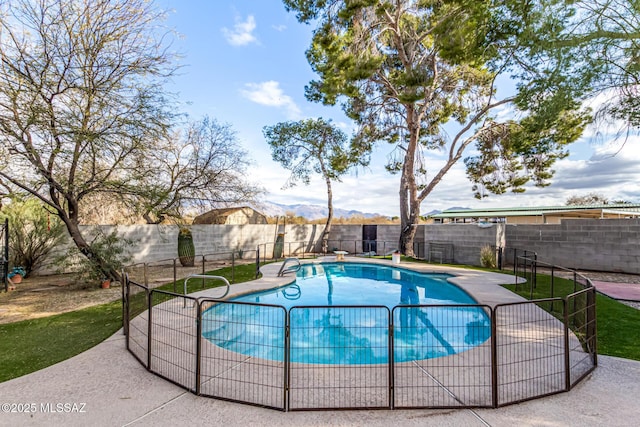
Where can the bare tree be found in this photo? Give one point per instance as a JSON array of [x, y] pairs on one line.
[[81, 99], [199, 167], [587, 199]]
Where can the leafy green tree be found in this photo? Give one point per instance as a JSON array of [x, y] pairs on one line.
[[605, 35], [402, 70], [312, 146], [33, 232]]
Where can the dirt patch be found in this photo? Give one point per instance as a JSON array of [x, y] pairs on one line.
[[41, 296]]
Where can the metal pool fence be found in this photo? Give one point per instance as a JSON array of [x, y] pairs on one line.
[[529, 350]]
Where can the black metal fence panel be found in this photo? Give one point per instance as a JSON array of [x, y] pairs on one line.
[[581, 315], [530, 352], [242, 356], [173, 335], [137, 320], [442, 356], [339, 357]]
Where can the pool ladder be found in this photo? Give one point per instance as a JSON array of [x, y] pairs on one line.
[[294, 268]]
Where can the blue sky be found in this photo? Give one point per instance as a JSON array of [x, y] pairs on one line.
[[244, 64]]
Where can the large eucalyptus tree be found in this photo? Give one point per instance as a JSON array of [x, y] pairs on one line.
[[421, 75]]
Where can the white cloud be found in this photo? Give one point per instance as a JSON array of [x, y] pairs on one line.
[[279, 28], [242, 32], [270, 94]]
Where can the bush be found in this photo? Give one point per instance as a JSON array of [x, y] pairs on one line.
[[33, 233], [488, 257], [109, 249]]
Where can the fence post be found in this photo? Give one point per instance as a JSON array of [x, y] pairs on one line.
[[125, 307], [149, 326], [198, 345], [287, 356], [175, 275], [203, 272], [552, 285], [233, 267], [391, 359], [567, 362], [258, 261], [494, 357], [592, 324]]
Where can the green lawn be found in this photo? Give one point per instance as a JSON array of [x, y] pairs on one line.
[[30, 345], [617, 324]]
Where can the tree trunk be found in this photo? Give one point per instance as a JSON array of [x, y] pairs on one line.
[[409, 202], [81, 243], [327, 227]]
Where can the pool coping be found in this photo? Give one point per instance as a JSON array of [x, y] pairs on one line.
[[484, 286]]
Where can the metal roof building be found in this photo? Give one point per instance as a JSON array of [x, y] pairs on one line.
[[537, 214]]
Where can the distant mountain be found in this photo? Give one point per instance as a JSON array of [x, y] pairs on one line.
[[310, 212]]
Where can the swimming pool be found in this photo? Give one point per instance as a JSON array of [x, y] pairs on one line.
[[344, 313]]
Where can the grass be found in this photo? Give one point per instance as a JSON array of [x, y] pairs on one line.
[[617, 323], [31, 345]]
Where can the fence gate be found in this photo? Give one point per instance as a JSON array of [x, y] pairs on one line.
[[369, 237]]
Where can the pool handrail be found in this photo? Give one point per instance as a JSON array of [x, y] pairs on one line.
[[207, 276], [295, 268]]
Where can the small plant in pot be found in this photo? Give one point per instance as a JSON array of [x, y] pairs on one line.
[[17, 274]]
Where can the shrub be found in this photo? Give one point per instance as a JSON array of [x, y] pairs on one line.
[[33, 233], [488, 257]]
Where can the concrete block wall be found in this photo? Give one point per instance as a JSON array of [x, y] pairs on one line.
[[598, 244], [607, 245], [152, 242], [346, 237], [467, 239]]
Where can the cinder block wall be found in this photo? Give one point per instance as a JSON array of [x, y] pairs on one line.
[[607, 245], [467, 239], [348, 237], [598, 244]]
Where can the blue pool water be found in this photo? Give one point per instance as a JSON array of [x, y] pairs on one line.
[[328, 324]]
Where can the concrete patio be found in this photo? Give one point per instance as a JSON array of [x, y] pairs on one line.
[[107, 386], [112, 388]]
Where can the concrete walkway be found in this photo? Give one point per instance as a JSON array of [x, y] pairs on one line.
[[110, 388], [619, 291]]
